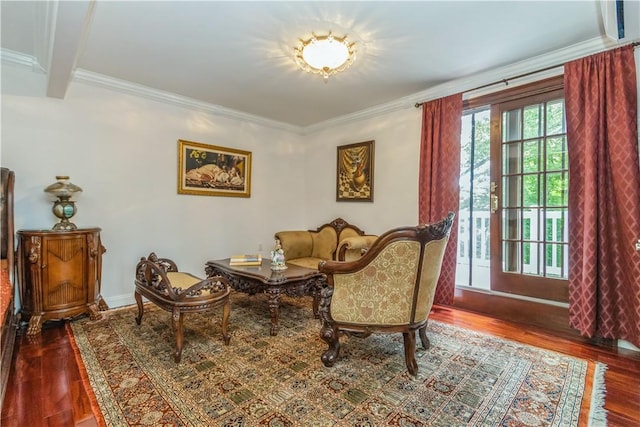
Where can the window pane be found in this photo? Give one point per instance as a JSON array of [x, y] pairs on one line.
[[557, 189], [511, 224], [511, 158], [556, 227], [531, 224], [511, 191], [473, 218], [530, 258], [556, 256], [555, 117], [531, 190], [556, 153], [511, 257], [511, 125], [531, 156], [532, 122]]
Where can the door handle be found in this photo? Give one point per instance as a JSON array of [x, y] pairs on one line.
[[493, 206], [494, 203]]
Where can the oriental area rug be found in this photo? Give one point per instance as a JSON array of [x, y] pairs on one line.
[[464, 379]]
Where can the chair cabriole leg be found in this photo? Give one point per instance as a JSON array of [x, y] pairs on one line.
[[140, 307], [176, 324], [409, 352], [423, 337]]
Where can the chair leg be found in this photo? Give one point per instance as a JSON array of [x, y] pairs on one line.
[[226, 310], [176, 325], [329, 334], [410, 352], [423, 337], [140, 307]]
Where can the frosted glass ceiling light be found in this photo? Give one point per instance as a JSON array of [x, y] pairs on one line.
[[325, 55]]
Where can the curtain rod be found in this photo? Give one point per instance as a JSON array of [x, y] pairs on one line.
[[506, 81]]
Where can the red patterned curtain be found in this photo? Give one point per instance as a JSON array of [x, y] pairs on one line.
[[439, 178], [604, 195]]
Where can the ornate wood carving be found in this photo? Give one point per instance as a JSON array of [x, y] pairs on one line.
[[63, 277], [295, 282]]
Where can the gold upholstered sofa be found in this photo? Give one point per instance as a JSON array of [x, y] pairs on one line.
[[337, 240]]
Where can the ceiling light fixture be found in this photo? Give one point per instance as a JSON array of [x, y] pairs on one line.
[[325, 55]]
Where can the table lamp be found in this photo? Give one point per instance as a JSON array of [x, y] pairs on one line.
[[63, 208]]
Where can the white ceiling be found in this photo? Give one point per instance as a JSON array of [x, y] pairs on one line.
[[238, 55]]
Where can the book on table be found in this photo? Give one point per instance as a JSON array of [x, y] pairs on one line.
[[245, 260]]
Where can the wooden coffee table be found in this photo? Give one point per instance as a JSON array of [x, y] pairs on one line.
[[294, 281]]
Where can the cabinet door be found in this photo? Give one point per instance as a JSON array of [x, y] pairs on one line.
[[65, 260]]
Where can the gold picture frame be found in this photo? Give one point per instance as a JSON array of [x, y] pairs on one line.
[[354, 173], [209, 170]]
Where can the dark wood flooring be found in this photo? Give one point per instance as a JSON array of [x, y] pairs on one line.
[[45, 386]]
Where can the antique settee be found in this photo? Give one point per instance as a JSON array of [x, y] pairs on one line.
[[337, 240], [8, 314]]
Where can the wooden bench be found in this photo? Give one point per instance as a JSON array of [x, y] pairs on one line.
[[159, 280]]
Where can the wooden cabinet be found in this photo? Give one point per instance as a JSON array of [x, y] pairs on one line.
[[59, 275]]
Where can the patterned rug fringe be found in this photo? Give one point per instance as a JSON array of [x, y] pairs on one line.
[[597, 413]]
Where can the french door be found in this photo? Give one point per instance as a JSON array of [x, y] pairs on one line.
[[513, 230], [529, 197]]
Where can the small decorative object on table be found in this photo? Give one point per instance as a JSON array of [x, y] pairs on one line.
[[63, 208], [245, 260], [277, 257]]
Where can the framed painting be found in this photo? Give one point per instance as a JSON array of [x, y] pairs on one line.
[[354, 181], [209, 170]]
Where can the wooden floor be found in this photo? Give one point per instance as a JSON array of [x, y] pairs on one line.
[[45, 387]]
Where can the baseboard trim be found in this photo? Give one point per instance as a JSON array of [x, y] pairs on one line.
[[550, 317]]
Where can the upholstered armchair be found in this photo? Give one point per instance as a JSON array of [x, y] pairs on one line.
[[389, 289]]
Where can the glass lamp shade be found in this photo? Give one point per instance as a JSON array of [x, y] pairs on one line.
[[63, 208], [325, 55]]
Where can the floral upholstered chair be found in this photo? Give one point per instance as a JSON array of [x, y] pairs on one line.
[[390, 289], [159, 280]]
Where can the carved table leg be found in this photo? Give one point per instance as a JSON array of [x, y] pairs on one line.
[[274, 309], [35, 325], [316, 304], [328, 331], [226, 310], [317, 289], [94, 313]]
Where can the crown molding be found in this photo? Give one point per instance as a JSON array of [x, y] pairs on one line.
[[558, 57], [123, 86], [551, 59]]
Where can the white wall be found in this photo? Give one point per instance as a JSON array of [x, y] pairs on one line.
[[122, 150], [396, 149]]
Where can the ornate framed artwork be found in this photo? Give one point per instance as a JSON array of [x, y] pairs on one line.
[[209, 170], [354, 181]]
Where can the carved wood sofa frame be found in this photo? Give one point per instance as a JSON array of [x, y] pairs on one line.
[[336, 240]]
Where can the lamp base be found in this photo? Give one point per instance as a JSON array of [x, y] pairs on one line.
[[64, 209], [65, 226]]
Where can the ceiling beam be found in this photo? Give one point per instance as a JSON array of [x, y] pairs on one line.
[[69, 32]]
